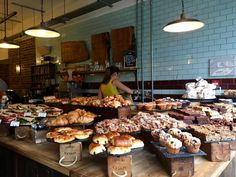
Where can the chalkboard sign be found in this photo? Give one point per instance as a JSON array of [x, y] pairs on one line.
[[130, 59]]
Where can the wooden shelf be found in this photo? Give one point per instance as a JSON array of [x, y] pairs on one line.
[[103, 71]]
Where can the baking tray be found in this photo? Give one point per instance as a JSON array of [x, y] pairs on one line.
[[133, 151], [183, 153], [202, 100], [229, 141], [74, 141]]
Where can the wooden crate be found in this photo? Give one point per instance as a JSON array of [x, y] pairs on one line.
[[22, 132], [119, 166], [4, 130], [177, 167], [217, 152], [38, 136]]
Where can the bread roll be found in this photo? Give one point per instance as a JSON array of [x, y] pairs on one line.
[[88, 131], [121, 141], [110, 135], [63, 139], [95, 148], [114, 150], [137, 143], [129, 136], [100, 139]]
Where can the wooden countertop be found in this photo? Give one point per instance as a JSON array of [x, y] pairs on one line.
[[145, 164]]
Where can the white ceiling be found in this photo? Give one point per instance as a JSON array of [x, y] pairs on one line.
[[32, 18]]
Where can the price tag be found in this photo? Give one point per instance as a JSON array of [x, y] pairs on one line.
[[15, 124], [27, 114], [42, 114]]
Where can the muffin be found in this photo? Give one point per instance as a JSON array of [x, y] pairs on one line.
[[173, 105], [140, 106], [156, 134], [175, 132], [185, 135], [149, 106], [173, 146], [192, 145], [163, 138], [168, 105], [161, 106]]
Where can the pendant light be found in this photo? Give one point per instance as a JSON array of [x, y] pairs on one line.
[[42, 31], [4, 43], [183, 24]]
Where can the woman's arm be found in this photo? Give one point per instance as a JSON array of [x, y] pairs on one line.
[[99, 94], [122, 87]]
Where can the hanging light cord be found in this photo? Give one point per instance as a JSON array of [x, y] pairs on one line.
[[5, 23], [182, 6], [42, 10]]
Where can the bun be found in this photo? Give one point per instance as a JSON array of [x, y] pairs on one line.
[[81, 136], [121, 141], [95, 148], [63, 139], [110, 135], [137, 143], [100, 139], [129, 136], [118, 150]]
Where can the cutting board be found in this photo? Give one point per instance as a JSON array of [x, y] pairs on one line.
[[122, 40], [74, 51], [100, 48]]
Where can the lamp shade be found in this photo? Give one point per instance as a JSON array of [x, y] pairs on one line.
[[8, 45], [42, 32], [183, 25]]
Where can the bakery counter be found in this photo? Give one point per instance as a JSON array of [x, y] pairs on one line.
[[144, 163]]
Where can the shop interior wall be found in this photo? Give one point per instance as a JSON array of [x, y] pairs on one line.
[[25, 57], [177, 58]]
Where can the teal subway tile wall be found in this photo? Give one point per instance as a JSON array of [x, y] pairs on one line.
[[176, 56]]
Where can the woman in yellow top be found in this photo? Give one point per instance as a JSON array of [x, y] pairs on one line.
[[111, 85]]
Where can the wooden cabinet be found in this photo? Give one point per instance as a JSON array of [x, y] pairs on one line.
[[43, 79], [15, 165]]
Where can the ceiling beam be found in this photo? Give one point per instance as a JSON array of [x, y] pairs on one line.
[[27, 7]]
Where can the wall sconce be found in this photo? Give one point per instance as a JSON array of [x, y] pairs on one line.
[[18, 68]]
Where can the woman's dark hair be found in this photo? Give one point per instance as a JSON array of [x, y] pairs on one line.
[[109, 71]]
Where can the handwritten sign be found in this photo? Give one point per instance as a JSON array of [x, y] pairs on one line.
[[27, 114], [119, 166]]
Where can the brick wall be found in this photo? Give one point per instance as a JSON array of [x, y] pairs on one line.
[[25, 56]]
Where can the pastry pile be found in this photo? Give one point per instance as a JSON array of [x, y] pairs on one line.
[[78, 116], [109, 101], [114, 143], [141, 121], [67, 134]]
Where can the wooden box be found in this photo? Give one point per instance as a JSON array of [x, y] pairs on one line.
[[4, 129], [178, 167], [70, 153], [217, 152], [22, 132], [119, 166], [38, 136]]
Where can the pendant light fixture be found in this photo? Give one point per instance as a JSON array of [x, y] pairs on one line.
[[42, 31], [183, 24], [4, 43]]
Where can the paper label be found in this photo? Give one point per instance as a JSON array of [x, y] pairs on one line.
[[15, 124], [42, 114], [27, 114]]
